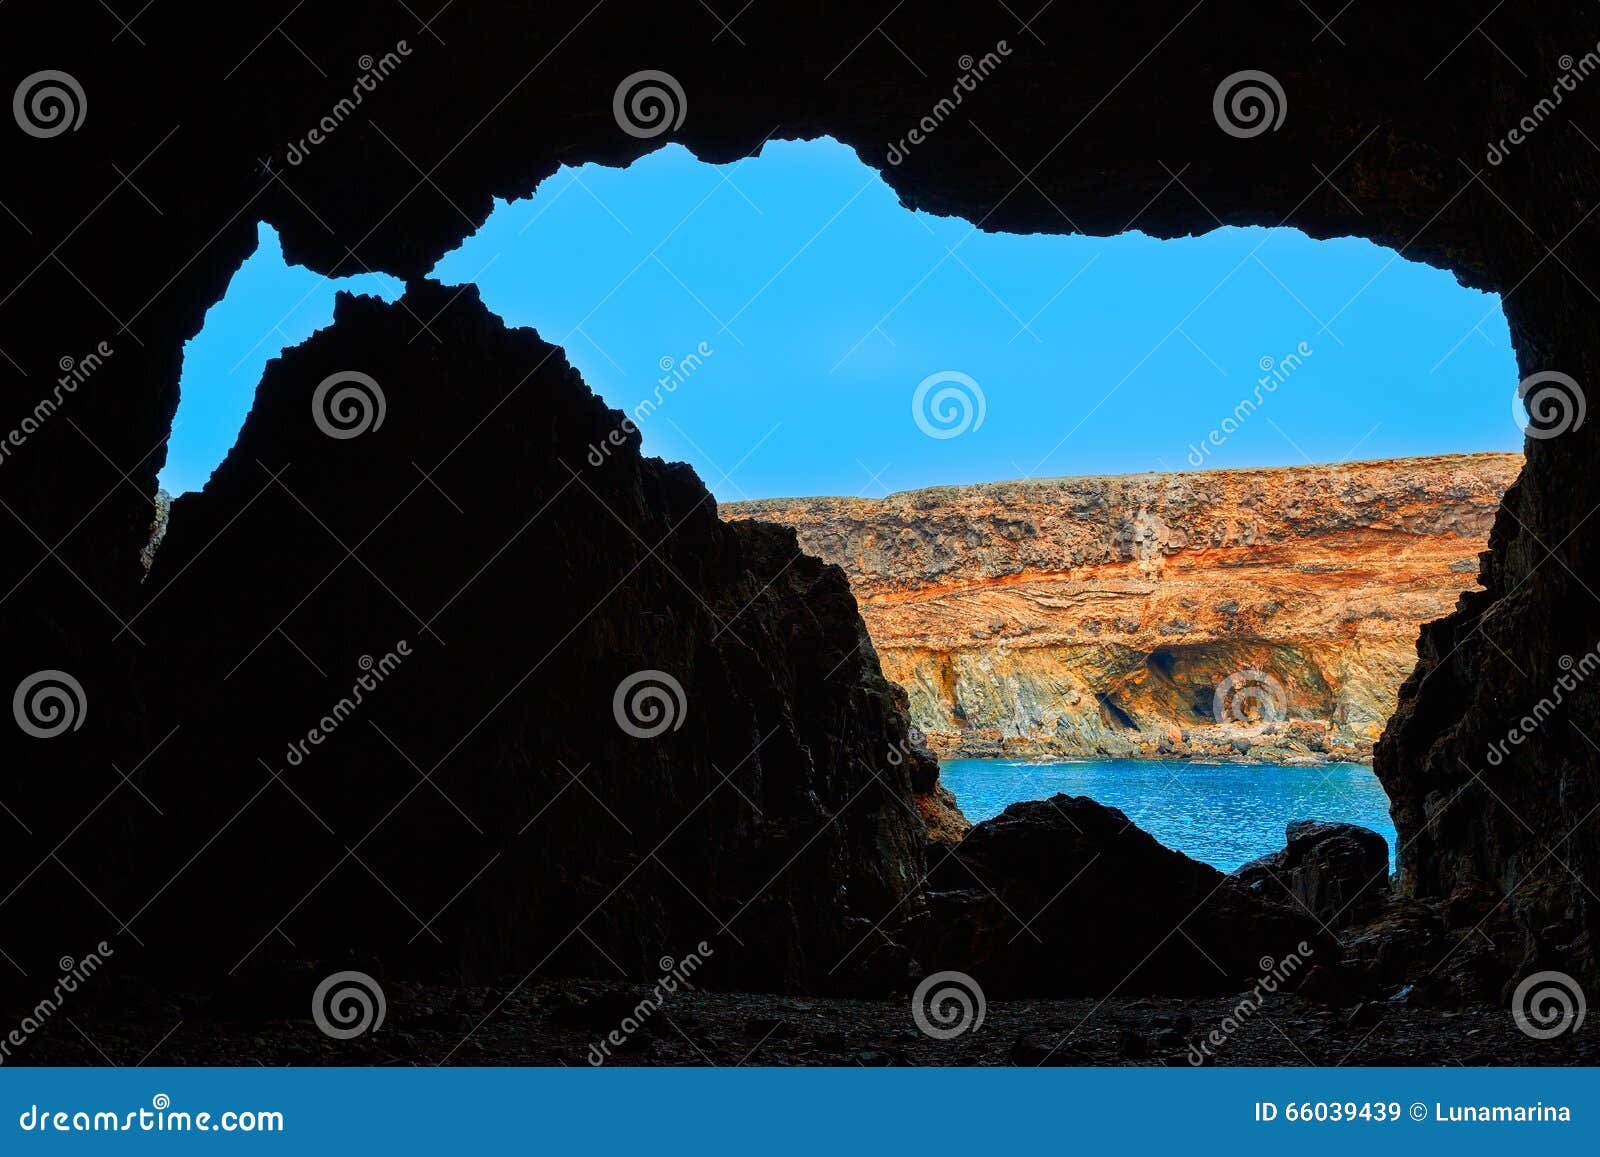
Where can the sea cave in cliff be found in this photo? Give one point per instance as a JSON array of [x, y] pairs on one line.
[[1202, 617], [657, 551]]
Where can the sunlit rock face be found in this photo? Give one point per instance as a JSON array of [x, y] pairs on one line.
[[1262, 614]]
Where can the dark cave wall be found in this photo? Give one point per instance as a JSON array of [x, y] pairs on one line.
[[127, 229]]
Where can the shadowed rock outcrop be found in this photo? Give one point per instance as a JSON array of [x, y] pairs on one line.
[[502, 708], [1338, 873], [1066, 895]]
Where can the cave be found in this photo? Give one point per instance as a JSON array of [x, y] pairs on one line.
[[784, 812]]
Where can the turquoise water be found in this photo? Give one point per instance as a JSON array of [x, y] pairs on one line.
[[1220, 813]]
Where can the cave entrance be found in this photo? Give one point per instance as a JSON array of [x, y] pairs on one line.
[[1155, 521]]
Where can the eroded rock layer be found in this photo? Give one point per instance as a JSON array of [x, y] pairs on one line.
[[1265, 614]]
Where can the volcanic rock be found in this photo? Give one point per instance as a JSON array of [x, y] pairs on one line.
[[1066, 895], [1337, 872]]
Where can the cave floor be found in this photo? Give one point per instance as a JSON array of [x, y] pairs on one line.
[[556, 1021]]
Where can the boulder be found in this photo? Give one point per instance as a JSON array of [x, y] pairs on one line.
[[1066, 896], [1338, 873]]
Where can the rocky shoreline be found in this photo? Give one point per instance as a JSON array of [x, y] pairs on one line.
[[1292, 743]]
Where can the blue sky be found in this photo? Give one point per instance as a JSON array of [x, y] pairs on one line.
[[824, 305], [268, 307]]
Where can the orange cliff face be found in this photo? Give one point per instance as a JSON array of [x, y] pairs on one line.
[[1245, 614]]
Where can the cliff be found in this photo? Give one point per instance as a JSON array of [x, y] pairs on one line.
[[1261, 614]]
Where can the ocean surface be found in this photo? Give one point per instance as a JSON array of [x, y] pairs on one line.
[[1220, 813]]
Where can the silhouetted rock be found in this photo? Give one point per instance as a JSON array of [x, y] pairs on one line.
[[1339, 873], [495, 798], [1065, 895]]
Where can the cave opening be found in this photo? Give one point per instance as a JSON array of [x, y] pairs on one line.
[[1149, 520]]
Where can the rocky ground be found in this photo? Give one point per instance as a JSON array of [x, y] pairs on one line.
[[1381, 980], [551, 1021]]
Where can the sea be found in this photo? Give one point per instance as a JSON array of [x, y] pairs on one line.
[[1222, 814]]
